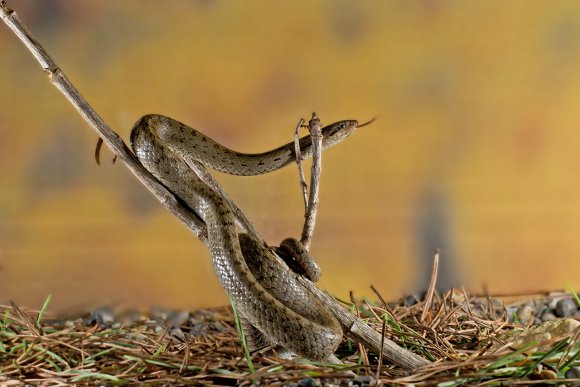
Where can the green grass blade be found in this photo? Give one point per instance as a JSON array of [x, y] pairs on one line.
[[43, 310], [54, 365], [510, 358], [95, 375], [159, 350], [98, 354], [243, 338], [552, 352], [574, 294], [53, 355], [6, 317]]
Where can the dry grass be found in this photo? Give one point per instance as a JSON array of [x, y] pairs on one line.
[[464, 337]]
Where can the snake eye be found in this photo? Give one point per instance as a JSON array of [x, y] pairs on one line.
[[340, 126]]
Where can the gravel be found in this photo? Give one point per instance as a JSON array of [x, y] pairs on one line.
[[546, 308]]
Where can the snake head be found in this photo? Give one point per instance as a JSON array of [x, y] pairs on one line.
[[338, 131]]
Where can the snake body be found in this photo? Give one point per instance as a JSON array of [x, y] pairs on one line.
[[263, 289]]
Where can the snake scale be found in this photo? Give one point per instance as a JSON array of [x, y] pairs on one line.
[[264, 290]]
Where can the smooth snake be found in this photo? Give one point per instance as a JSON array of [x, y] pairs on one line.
[[263, 289]]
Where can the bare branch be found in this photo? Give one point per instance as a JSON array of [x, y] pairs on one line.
[[312, 207], [298, 153], [310, 197]]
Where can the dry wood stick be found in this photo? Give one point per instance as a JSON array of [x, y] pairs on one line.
[[310, 196], [298, 152], [316, 169]]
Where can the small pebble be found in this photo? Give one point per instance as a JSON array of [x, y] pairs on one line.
[[177, 333], [218, 326], [548, 374], [178, 318], [130, 318], [136, 336], [410, 300], [307, 382], [541, 309], [554, 301], [566, 307], [199, 329], [525, 313], [548, 316], [103, 316], [158, 313], [363, 380], [573, 373]]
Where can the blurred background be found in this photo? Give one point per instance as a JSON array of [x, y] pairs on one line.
[[475, 150]]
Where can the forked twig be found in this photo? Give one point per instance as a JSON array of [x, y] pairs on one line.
[[316, 169], [352, 326], [310, 197]]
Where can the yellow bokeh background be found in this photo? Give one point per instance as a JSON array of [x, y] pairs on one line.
[[475, 150]]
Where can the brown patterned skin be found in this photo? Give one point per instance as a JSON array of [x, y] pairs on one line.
[[263, 289]]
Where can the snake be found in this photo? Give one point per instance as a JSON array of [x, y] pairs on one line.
[[263, 289]]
